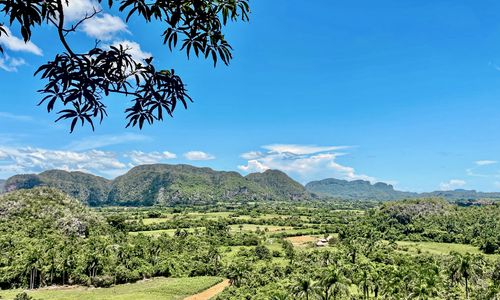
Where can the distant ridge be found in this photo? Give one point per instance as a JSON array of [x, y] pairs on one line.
[[163, 184], [364, 190], [356, 190]]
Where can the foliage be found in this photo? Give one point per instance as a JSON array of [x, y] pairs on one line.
[[165, 185], [364, 260], [77, 82], [432, 220]]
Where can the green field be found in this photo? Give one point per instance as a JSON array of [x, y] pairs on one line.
[[165, 231], [153, 289], [212, 216], [253, 228], [440, 248], [233, 228]]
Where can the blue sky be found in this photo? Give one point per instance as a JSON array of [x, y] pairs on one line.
[[405, 92]]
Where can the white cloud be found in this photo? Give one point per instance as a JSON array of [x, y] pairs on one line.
[[486, 162], [104, 27], [304, 162], [10, 64], [301, 149], [100, 141], [32, 160], [142, 158], [134, 49], [452, 184], [251, 155], [198, 155], [13, 43], [77, 9], [24, 160]]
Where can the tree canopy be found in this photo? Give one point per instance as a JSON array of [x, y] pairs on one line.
[[77, 83]]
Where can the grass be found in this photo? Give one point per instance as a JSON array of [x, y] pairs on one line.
[[153, 289], [213, 216], [253, 228], [149, 221], [170, 232], [234, 229], [440, 248]]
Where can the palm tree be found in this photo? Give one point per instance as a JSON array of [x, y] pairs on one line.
[[303, 288], [466, 267], [236, 272], [364, 279], [332, 284]]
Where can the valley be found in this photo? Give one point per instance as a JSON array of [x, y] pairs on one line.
[[56, 248]]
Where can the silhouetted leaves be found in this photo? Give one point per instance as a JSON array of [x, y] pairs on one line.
[[79, 81]]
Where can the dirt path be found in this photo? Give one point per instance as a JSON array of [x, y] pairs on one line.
[[211, 292]]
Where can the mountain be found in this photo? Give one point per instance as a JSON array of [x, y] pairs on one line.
[[148, 185], [164, 184], [90, 189], [279, 184], [364, 190], [461, 194], [2, 185], [356, 190], [171, 184]]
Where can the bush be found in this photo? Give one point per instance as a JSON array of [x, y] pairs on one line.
[[23, 296], [262, 252], [103, 281]]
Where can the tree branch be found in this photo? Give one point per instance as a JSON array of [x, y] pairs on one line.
[[87, 17], [60, 28]]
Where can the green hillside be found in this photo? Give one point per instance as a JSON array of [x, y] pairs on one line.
[[90, 189], [171, 184], [356, 190]]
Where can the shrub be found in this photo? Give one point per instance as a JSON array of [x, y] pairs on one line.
[[103, 281], [23, 296]]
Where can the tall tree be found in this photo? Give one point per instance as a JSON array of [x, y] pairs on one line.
[[466, 268], [303, 288]]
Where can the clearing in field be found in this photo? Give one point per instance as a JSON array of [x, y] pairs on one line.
[[440, 248], [152, 289], [302, 240]]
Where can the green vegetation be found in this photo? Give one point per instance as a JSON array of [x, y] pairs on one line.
[[166, 185], [413, 249], [356, 190], [186, 186], [432, 221], [437, 248], [151, 289]]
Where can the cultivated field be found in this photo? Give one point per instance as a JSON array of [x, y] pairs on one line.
[[151, 289]]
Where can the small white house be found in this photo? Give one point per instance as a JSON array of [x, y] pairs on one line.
[[323, 242]]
